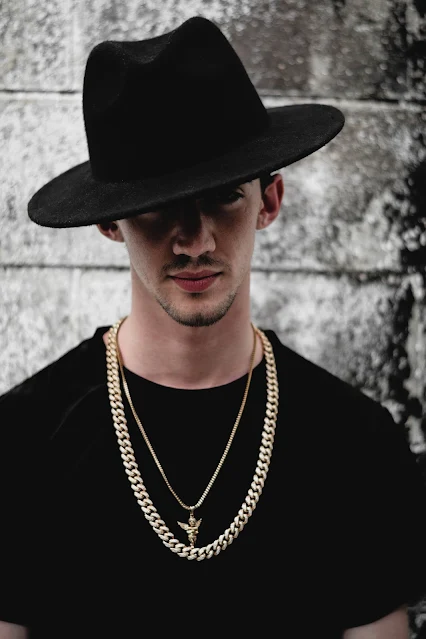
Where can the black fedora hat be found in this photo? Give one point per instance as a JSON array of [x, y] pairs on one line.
[[169, 118]]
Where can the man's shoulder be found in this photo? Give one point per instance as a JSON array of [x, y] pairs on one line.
[[319, 392], [70, 374]]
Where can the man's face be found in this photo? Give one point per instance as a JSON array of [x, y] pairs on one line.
[[215, 232]]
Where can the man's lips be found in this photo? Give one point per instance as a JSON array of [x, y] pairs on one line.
[[196, 285], [187, 275]]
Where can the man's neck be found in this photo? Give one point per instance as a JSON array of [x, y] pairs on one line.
[[188, 358]]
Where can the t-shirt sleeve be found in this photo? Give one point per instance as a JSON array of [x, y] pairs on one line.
[[383, 524]]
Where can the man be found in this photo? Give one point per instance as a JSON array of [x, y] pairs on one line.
[[183, 470]]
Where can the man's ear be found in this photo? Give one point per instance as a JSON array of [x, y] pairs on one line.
[[111, 230], [271, 202]]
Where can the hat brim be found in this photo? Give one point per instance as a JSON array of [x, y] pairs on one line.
[[74, 198]]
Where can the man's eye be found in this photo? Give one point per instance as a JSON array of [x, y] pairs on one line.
[[227, 197]]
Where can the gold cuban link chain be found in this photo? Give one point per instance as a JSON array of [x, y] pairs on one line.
[[135, 479]]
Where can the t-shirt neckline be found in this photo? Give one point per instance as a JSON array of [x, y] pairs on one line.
[[135, 379]]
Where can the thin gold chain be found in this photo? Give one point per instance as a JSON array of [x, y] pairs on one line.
[[148, 443]]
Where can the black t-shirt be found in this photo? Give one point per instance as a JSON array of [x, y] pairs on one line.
[[334, 542]]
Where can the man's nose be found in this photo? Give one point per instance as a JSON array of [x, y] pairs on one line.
[[194, 232]]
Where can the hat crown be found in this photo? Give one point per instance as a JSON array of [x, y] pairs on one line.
[[155, 105]]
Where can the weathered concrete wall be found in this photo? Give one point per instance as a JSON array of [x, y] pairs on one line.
[[341, 273]]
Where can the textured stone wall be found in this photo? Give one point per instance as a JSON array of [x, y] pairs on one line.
[[340, 275]]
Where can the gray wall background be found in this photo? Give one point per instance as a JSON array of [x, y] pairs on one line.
[[340, 275]]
